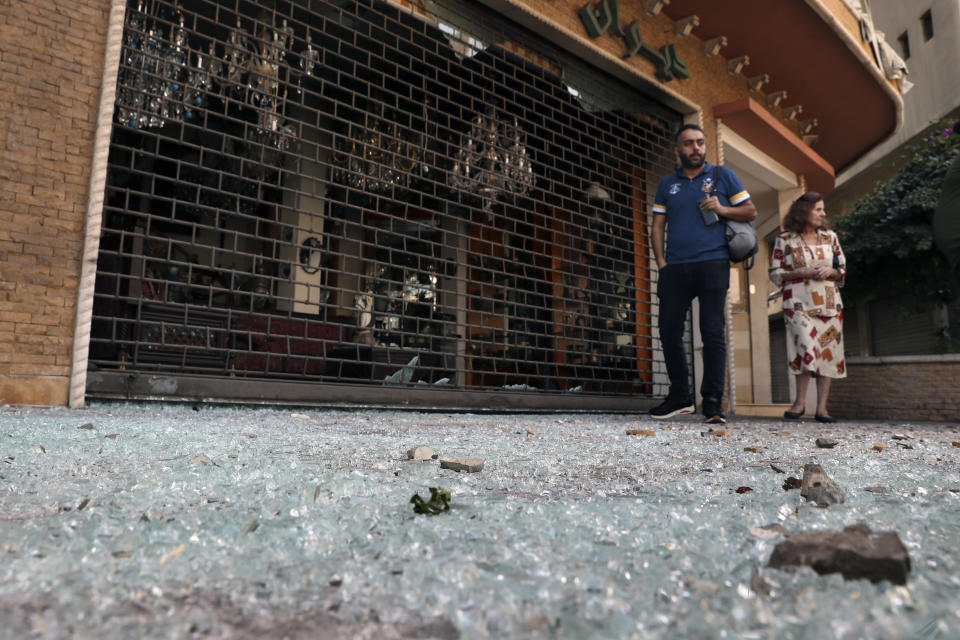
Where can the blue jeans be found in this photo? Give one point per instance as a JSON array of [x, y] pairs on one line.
[[679, 284]]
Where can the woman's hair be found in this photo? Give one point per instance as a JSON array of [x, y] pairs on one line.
[[796, 218]]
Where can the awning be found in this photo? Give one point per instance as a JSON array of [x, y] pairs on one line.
[[763, 130], [805, 50]]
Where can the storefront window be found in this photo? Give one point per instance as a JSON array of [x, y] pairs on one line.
[[344, 192]]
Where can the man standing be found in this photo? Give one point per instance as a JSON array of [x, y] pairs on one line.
[[691, 203]]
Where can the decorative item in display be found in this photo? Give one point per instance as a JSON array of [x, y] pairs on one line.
[[492, 160], [377, 155], [162, 79]]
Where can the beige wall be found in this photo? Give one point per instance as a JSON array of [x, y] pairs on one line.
[[772, 187], [51, 60]]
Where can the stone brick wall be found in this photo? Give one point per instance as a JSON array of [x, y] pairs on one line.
[[51, 61], [899, 388]]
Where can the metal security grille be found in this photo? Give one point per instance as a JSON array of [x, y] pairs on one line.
[[356, 193]]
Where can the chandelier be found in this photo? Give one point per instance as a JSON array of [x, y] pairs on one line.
[[492, 160], [162, 79], [377, 155], [253, 66], [152, 81]]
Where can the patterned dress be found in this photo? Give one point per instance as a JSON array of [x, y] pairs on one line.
[[812, 309]]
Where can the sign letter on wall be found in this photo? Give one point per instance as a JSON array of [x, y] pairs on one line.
[[605, 16]]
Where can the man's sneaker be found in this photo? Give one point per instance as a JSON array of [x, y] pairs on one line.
[[716, 418], [672, 407], [712, 413]]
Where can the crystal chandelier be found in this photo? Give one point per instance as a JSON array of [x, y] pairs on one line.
[[162, 79], [151, 82], [253, 66], [200, 81], [308, 63], [492, 160], [378, 155]]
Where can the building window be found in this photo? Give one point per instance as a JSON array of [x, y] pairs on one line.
[[926, 23], [904, 41]]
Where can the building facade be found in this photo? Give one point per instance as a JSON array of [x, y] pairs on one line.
[[894, 338], [407, 203]]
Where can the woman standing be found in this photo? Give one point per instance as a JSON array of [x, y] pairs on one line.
[[809, 267]]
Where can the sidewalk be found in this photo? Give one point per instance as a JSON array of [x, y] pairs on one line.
[[173, 521]]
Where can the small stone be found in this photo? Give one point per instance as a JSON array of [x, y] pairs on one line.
[[744, 489], [856, 552], [818, 487], [753, 449], [759, 585], [89, 427], [470, 465], [876, 489], [956, 444], [792, 483], [641, 432], [776, 468], [420, 453], [768, 531], [878, 447], [826, 443], [903, 436], [532, 432]]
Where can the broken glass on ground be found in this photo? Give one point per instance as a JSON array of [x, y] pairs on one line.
[[164, 521]]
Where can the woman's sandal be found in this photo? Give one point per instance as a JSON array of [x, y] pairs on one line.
[[793, 415], [825, 419]]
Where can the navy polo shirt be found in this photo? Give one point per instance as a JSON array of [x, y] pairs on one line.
[[689, 239]]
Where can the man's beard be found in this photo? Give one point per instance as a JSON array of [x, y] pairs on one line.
[[687, 163]]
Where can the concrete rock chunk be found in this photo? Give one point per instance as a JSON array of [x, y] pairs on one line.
[[470, 465], [818, 487], [856, 552], [421, 453]]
